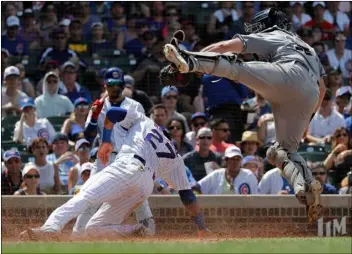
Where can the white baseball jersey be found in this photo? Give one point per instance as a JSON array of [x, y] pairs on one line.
[[215, 183], [273, 182]]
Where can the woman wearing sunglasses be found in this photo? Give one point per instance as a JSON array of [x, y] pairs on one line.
[[340, 142], [30, 185], [176, 128], [73, 127]]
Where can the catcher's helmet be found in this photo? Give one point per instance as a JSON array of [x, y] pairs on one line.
[[114, 75], [266, 19]]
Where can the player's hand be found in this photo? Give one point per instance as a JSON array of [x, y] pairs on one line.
[[339, 148], [97, 107], [104, 152]]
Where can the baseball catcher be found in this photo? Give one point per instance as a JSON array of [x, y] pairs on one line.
[[290, 79]]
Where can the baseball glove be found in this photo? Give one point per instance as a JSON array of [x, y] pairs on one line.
[[170, 76]]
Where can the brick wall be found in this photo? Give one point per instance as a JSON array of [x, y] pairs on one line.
[[240, 216]]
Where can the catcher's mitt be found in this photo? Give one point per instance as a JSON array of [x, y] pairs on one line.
[[170, 76]]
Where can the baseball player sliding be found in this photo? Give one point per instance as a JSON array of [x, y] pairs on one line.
[[290, 79], [145, 154], [114, 84]]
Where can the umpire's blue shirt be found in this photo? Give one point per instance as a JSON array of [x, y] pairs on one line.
[[222, 91]]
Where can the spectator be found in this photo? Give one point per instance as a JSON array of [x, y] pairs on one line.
[[318, 21], [83, 14], [199, 120], [176, 128], [238, 25], [299, 17], [73, 127], [340, 141], [169, 96], [256, 107], [224, 101], [254, 164], [136, 94], [191, 38], [65, 24], [346, 184], [29, 127], [221, 20], [82, 150], [343, 96], [336, 17], [325, 121], [50, 181], [156, 21], [274, 183], [221, 133], [266, 131], [4, 61], [159, 115], [11, 96], [325, 62], [117, 19], [25, 84], [60, 148], [320, 174], [51, 103], [197, 160], [11, 178], [335, 81], [31, 176], [84, 174], [98, 43], [230, 180], [59, 51], [339, 57], [93, 154], [69, 86], [30, 32], [319, 47], [48, 21], [11, 41], [250, 143], [76, 42]]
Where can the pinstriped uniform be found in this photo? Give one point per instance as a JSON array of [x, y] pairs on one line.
[[127, 182]]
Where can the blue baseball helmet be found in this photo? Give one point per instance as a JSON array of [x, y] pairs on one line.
[[114, 75]]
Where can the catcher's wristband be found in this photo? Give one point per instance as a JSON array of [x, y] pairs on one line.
[[199, 220]]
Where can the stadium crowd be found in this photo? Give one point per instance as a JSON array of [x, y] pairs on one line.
[[53, 59]]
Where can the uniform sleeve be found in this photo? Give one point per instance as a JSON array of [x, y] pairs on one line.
[[253, 183], [140, 108], [261, 44], [264, 185], [131, 118]]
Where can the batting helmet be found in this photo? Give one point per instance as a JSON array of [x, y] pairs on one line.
[[266, 19], [114, 76]]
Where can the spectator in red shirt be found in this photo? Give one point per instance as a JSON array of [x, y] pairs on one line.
[[221, 133], [318, 21]]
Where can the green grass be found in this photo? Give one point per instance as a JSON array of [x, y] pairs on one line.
[[272, 245]]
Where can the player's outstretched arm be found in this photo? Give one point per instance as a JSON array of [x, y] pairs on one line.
[[234, 46], [189, 200]]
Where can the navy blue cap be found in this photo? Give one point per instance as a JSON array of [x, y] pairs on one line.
[[113, 74], [59, 136], [199, 114], [27, 102], [79, 101]]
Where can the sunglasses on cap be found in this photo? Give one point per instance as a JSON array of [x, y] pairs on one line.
[[32, 176], [112, 83], [199, 124], [204, 137]]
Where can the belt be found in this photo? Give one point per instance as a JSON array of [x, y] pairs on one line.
[[136, 156]]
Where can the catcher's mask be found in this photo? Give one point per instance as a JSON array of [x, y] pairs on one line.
[[266, 19]]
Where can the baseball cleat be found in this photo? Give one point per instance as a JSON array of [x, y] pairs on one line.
[[140, 230], [37, 234], [173, 55], [312, 199], [149, 223]]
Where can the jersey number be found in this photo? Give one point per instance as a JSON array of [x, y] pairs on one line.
[[303, 49], [155, 135]]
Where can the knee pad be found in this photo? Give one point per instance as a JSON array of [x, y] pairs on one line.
[[212, 56], [276, 155]]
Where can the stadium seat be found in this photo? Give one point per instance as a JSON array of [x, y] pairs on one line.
[[57, 121], [311, 148], [314, 156], [12, 145]]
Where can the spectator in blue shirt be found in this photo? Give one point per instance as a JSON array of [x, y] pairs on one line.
[[83, 13], [11, 41], [69, 86], [59, 52], [223, 98], [98, 42], [320, 174], [117, 21]]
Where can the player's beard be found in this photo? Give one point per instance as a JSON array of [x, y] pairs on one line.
[[114, 95]]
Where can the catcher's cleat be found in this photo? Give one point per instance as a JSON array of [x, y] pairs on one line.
[[312, 199], [38, 234], [149, 223], [140, 230], [175, 56], [177, 37]]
